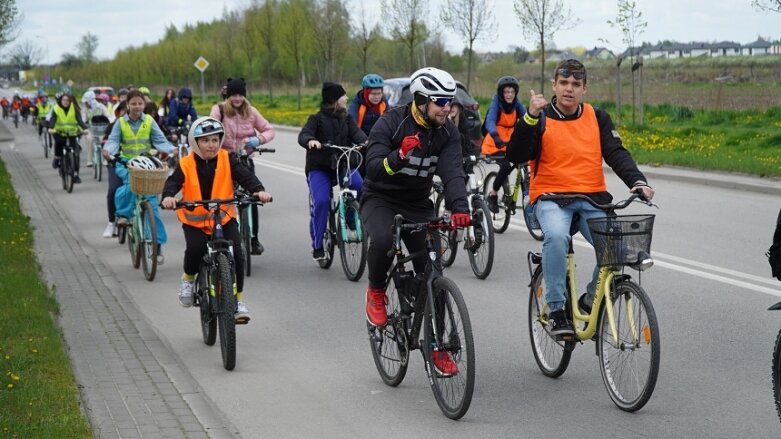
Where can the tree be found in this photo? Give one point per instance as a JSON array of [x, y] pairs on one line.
[[248, 39], [295, 41], [10, 19], [540, 20], [331, 35], [768, 5], [25, 55], [265, 29], [630, 21], [86, 47], [473, 20], [364, 38], [405, 23]]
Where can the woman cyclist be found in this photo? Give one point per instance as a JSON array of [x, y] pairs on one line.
[[209, 174], [65, 122], [244, 128], [330, 124]]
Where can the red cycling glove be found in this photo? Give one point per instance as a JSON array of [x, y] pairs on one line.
[[408, 144], [460, 220]]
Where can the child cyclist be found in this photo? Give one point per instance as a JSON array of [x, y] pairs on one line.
[[209, 174]]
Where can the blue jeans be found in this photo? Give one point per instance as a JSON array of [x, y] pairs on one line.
[[320, 201], [555, 223]]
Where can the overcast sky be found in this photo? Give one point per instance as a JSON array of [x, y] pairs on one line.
[[57, 25]]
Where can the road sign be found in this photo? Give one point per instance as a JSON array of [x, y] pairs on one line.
[[201, 64]]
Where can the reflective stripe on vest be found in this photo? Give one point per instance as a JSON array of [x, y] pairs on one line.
[[66, 122], [222, 188], [362, 112], [134, 144], [43, 109]]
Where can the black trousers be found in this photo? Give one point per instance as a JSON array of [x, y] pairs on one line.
[[377, 214], [73, 141], [196, 248], [505, 168]]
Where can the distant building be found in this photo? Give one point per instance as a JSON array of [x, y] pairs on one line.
[[758, 47], [675, 50], [599, 53]]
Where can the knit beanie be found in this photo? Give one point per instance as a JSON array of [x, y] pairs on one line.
[[332, 92], [236, 86]]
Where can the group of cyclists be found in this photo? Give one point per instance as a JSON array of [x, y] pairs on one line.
[[564, 140]]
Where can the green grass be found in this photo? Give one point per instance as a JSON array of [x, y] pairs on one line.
[[38, 394]]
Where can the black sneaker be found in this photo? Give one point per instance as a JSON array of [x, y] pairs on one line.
[[559, 324], [257, 247], [56, 163], [493, 203], [76, 179], [583, 305], [318, 254]]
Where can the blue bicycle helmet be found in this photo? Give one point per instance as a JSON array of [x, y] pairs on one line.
[[185, 92], [372, 80]]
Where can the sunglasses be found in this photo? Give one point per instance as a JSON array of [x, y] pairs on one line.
[[566, 73], [441, 101]]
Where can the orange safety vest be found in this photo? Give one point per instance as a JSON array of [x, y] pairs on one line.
[[571, 157], [504, 127], [362, 112], [191, 191]]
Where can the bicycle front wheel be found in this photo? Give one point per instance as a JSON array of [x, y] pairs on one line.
[[226, 311], [328, 243], [45, 143], [205, 305], [448, 333], [501, 218], [552, 355], [68, 169], [449, 240], [352, 251], [148, 244], [246, 238], [481, 249], [389, 344], [629, 360], [776, 376]]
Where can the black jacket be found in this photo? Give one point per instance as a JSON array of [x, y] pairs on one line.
[[207, 169], [412, 179], [525, 145], [326, 126]]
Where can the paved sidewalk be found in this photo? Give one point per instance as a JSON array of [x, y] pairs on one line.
[[132, 386]]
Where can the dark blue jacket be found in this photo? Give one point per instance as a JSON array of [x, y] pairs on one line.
[[177, 112], [370, 118]]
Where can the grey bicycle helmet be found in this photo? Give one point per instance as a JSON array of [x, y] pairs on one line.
[[507, 81]]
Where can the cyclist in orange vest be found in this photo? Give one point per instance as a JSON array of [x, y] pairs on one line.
[[504, 112], [209, 174], [367, 107]]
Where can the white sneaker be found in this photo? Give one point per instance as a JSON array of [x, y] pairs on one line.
[[89, 164], [109, 230], [186, 294], [242, 313], [160, 258]]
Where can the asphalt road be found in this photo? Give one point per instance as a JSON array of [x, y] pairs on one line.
[[304, 367]]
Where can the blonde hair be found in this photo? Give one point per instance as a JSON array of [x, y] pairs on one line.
[[230, 111]]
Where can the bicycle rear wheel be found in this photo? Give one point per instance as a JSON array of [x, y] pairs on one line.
[[226, 310], [45, 143], [447, 329], [532, 225], [552, 355], [449, 240], [246, 238], [208, 318], [501, 219], [148, 242], [630, 364], [776, 374], [481, 250], [389, 344], [134, 244], [353, 250], [328, 243]]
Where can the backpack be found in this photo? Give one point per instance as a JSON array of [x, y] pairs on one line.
[[774, 252]]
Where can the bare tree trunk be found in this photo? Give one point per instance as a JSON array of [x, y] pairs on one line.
[[618, 92], [469, 66], [642, 104]]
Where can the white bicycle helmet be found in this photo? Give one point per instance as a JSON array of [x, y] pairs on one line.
[[204, 126], [141, 162], [88, 96], [430, 81]]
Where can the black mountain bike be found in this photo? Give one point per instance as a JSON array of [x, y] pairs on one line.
[[245, 211], [432, 303], [69, 162]]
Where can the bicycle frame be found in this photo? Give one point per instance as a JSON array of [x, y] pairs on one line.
[[345, 194]]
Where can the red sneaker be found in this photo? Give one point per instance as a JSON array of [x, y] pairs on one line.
[[444, 363], [375, 306]]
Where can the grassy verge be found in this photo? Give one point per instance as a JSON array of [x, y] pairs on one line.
[[38, 395]]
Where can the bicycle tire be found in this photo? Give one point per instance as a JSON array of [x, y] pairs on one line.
[[246, 238], [453, 393], [622, 386], [68, 160], [205, 306], [148, 241], [551, 355], [501, 219], [121, 234], [389, 344], [61, 171], [449, 240], [226, 310], [95, 162], [352, 253], [532, 225], [328, 242], [45, 143], [133, 244], [482, 259]]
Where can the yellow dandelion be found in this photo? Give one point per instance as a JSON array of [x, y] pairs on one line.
[[10, 386], [35, 351]]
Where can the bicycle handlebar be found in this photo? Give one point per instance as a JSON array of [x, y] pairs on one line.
[[217, 202], [637, 196]]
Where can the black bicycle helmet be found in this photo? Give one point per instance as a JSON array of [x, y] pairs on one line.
[[507, 81]]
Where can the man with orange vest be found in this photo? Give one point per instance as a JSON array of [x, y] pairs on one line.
[[369, 104], [504, 112], [209, 174], [566, 141]]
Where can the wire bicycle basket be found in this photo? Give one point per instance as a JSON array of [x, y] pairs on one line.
[[621, 240]]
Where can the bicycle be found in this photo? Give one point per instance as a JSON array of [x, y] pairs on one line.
[[215, 291], [97, 129], [245, 215], [478, 238], [431, 302], [181, 142], [46, 139], [69, 161], [508, 201], [344, 227], [140, 231], [622, 320]]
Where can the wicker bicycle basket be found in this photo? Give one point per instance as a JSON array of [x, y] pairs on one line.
[[147, 181], [620, 239]]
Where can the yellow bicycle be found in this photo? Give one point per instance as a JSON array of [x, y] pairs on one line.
[[621, 321]]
